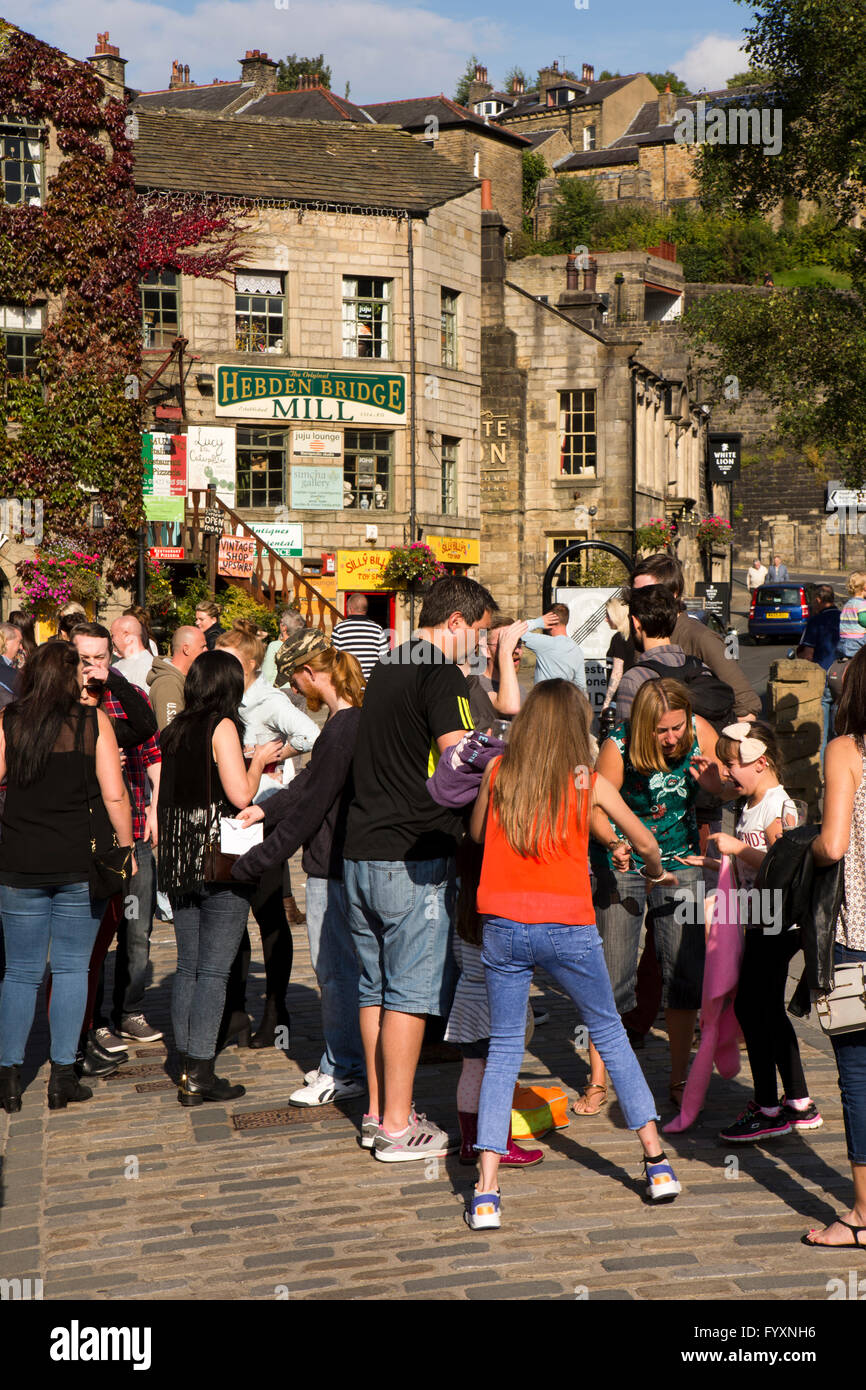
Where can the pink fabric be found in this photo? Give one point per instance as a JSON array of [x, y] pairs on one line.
[[719, 1030]]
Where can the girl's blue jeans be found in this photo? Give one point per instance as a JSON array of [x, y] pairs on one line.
[[573, 956]]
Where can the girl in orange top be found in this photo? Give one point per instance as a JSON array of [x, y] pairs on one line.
[[532, 815]]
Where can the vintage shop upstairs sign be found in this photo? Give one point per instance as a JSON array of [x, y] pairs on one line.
[[299, 393]]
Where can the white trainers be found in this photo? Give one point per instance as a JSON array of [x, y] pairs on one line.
[[321, 1089]]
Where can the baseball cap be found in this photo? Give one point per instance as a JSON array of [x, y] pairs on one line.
[[297, 649]]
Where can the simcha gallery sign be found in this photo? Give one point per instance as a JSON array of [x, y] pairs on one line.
[[299, 393]]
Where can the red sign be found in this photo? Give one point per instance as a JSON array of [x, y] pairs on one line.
[[166, 552], [329, 563], [237, 557]]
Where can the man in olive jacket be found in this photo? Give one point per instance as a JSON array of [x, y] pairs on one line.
[[694, 637], [167, 676]]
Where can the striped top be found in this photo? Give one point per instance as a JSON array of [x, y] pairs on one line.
[[849, 625], [363, 639], [469, 1019]]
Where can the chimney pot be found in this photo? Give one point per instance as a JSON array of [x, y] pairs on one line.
[[486, 195], [588, 72], [571, 273]]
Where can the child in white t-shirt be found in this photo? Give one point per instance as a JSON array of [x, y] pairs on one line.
[[751, 755]]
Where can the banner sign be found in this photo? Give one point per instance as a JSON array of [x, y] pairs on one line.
[[317, 489], [317, 444], [301, 393], [723, 457], [360, 569], [455, 550], [237, 557], [164, 509], [285, 537], [164, 459], [211, 458]]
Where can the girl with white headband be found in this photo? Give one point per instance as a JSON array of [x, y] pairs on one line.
[[750, 754]]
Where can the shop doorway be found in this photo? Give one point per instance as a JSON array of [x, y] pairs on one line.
[[380, 607]]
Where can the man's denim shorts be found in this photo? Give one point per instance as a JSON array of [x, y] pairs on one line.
[[401, 915]]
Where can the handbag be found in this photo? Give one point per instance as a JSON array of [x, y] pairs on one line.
[[110, 869], [536, 1110], [836, 675], [843, 1010], [216, 866]]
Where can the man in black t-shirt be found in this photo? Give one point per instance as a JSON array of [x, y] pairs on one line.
[[399, 857]]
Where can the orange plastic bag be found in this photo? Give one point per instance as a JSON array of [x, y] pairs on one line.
[[536, 1110]]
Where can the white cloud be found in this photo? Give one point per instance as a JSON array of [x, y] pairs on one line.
[[384, 50], [708, 65]]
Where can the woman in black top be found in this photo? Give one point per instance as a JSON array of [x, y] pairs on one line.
[[311, 811], [64, 790], [204, 778]]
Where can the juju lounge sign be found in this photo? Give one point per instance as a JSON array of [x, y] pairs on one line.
[[297, 393]]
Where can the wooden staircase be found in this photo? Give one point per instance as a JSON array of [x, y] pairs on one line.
[[274, 582]]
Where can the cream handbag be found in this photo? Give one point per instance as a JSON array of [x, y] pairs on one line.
[[843, 1010]]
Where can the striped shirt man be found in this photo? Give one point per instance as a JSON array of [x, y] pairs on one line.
[[363, 639]]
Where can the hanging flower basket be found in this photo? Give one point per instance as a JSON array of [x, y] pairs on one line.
[[714, 533], [158, 596], [657, 534], [412, 568], [50, 581]]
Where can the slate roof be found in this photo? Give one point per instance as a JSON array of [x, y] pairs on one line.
[[312, 104], [412, 114], [595, 159], [537, 137], [591, 94], [645, 128], [305, 161], [213, 98]]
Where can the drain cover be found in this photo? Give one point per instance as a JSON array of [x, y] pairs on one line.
[[276, 1119], [145, 1069], [156, 1086]]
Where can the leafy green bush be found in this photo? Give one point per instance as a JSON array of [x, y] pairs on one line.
[[236, 603]]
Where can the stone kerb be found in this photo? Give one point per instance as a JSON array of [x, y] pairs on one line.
[[794, 691]]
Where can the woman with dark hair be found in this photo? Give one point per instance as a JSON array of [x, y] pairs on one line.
[[204, 778], [26, 625], [843, 836], [64, 792]]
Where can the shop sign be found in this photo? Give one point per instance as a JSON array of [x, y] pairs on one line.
[[237, 557], [300, 393], [360, 569], [723, 456], [285, 537], [317, 444], [317, 489], [212, 458], [164, 460], [455, 550]]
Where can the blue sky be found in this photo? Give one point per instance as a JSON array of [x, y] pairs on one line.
[[390, 48]]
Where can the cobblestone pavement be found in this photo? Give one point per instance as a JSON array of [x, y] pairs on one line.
[[130, 1196]]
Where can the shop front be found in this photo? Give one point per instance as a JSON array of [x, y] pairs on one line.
[[360, 572], [456, 553]]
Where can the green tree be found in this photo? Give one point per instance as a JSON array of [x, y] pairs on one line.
[[292, 67], [805, 348], [660, 80], [608, 76], [534, 170], [576, 213], [461, 94], [749, 78]]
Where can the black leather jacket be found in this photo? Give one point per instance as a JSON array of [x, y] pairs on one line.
[[811, 897]]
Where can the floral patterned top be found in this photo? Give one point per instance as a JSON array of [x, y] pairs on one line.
[[664, 801], [851, 928]]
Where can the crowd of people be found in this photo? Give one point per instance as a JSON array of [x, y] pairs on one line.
[[454, 836]]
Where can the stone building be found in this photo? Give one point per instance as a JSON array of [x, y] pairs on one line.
[[311, 356], [585, 433]]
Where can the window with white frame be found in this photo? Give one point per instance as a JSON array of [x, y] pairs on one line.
[[367, 317], [261, 467], [449, 328], [449, 475], [22, 165], [260, 309], [21, 330], [160, 308], [578, 438], [368, 465], [589, 137]]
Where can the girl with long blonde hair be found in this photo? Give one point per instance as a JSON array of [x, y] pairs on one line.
[[532, 815], [311, 812]]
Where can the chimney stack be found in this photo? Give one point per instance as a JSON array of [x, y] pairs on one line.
[[588, 74], [517, 86], [479, 87], [259, 70], [107, 61], [547, 78], [667, 106]]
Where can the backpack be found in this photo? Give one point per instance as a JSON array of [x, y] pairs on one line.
[[710, 696]]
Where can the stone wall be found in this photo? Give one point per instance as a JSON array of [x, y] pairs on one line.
[[498, 160], [794, 708]]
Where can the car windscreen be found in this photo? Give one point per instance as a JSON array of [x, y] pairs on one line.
[[771, 597]]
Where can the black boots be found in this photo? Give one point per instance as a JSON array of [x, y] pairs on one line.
[[198, 1083], [64, 1086], [236, 1029], [274, 1017], [10, 1089], [95, 1060]]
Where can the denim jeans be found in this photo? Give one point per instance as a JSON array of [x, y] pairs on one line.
[[827, 721], [850, 1050], [573, 956], [336, 966], [60, 922], [401, 915], [132, 953], [621, 902], [208, 926]]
